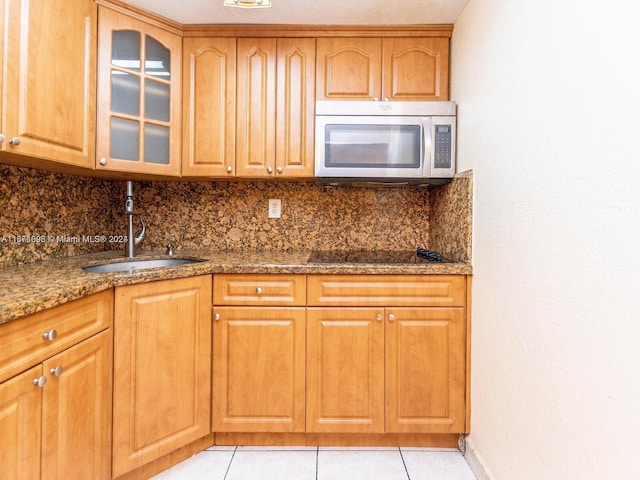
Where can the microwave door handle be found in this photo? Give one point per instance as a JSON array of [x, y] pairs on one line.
[[427, 144]]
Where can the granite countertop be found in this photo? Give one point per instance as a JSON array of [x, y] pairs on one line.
[[30, 288]]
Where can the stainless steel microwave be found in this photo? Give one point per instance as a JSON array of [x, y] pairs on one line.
[[386, 142]]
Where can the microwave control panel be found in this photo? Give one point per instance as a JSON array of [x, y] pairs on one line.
[[442, 140]]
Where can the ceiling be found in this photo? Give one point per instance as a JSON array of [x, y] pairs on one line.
[[309, 12]]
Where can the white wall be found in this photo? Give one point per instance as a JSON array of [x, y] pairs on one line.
[[549, 119]]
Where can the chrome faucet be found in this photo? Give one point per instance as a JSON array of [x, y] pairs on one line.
[[132, 240]]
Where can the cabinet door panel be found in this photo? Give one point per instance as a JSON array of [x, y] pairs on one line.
[[258, 369], [256, 107], [345, 370], [415, 68], [139, 95], [349, 68], [20, 420], [49, 99], [425, 370], [162, 368], [296, 107], [209, 116], [76, 414]]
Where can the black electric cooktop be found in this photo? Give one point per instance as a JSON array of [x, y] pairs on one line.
[[377, 256]]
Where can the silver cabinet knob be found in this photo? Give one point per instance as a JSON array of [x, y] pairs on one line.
[[15, 141], [259, 291], [392, 317], [269, 169], [229, 169], [1, 138], [379, 317], [56, 372], [103, 161], [387, 99], [279, 170], [375, 99], [50, 335], [40, 381], [216, 317]]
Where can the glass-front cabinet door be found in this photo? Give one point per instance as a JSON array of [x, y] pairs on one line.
[[138, 96]]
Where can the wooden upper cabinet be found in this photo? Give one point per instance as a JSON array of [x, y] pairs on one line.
[[256, 107], [209, 107], [391, 68], [139, 95], [415, 68], [349, 68], [48, 94], [296, 79], [275, 107]]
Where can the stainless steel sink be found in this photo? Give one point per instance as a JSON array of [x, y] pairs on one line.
[[134, 265]]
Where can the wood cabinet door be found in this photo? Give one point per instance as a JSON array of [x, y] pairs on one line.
[[415, 68], [425, 370], [209, 107], [258, 369], [162, 369], [139, 96], [49, 98], [295, 116], [345, 370], [20, 420], [349, 68], [76, 412], [256, 107]]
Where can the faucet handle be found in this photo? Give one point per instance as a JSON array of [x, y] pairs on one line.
[[170, 249]]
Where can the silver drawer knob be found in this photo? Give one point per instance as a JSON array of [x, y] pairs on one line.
[[40, 381], [103, 161], [15, 141], [216, 317], [392, 317], [229, 169], [1, 138], [56, 372], [50, 335], [269, 169], [379, 317], [259, 291], [279, 170]]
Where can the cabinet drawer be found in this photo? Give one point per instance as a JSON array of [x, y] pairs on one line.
[[270, 289], [386, 290], [23, 342]]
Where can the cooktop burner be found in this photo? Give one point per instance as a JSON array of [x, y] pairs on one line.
[[377, 256]]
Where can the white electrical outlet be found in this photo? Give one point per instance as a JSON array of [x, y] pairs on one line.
[[275, 206]]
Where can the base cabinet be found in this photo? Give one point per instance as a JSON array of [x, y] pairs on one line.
[[162, 369], [57, 413], [259, 352], [406, 364]]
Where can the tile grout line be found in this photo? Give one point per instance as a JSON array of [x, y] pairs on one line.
[[404, 464], [230, 462]]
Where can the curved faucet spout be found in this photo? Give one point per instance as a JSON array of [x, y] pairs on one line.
[[138, 239]]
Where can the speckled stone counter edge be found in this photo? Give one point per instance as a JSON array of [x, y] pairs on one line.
[[31, 288]]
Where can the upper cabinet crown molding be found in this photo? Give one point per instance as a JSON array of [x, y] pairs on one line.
[[144, 15], [316, 31]]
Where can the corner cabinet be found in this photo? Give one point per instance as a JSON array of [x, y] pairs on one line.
[[55, 392], [48, 100], [162, 369], [412, 68], [139, 95]]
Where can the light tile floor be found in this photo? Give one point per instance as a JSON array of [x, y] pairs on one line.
[[321, 463]]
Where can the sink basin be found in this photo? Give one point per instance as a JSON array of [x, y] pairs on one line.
[[133, 265]]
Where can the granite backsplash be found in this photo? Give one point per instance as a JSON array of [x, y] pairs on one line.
[[70, 215]]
